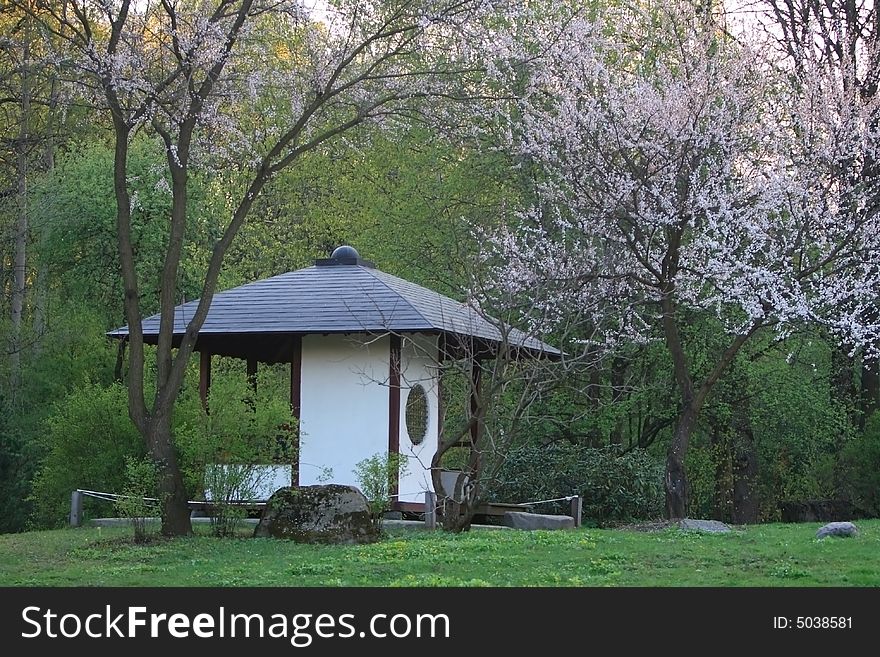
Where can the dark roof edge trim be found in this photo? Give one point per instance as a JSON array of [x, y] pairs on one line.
[[431, 329]]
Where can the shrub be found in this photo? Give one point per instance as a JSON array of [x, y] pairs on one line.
[[374, 475], [860, 468], [615, 487], [16, 462], [701, 465], [223, 452], [88, 437], [141, 482]]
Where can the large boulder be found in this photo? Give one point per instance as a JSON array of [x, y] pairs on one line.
[[521, 520], [845, 529], [318, 514]]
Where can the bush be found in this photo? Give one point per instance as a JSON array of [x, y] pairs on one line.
[[222, 451], [88, 437], [72, 353], [701, 465], [615, 487], [860, 469], [374, 474], [16, 463], [141, 482]]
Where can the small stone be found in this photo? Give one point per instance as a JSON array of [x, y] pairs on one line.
[[318, 514], [521, 520], [844, 529], [709, 526]]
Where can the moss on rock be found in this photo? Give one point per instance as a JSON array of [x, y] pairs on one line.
[[329, 514]]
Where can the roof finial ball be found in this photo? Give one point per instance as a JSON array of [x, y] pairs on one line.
[[344, 252], [344, 255]]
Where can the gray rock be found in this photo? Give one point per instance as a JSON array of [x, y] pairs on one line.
[[710, 526], [845, 529], [521, 520], [318, 514]]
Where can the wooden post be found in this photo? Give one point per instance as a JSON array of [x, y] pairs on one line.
[[394, 411], [204, 376], [76, 508], [577, 510], [476, 379], [296, 400], [430, 509]]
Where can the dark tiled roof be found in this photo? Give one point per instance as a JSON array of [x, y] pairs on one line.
[[340, 298]]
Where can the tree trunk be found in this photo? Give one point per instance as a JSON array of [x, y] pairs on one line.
[[19, 277], [456, 508], [693, 397], [676, 479], [41, 302], [172, 492]]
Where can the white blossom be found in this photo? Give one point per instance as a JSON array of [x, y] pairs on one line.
[[677, 163]]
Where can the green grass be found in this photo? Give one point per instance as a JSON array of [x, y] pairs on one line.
[[767, 555]]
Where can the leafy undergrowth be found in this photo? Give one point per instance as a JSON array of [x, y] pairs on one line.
[[768, 555]]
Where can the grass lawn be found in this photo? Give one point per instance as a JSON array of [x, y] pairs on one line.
[[767, 555]]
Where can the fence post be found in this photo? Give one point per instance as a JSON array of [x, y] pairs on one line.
[[76, 508], [430, 510], [577, 509]]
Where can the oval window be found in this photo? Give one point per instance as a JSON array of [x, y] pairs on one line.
[[417, 414]]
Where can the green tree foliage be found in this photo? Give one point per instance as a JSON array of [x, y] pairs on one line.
[[409, 199], [860, 471], [405, 201], [615, 487], [75, 203], [87, 440], [74, 353], [798, 426], [223, 452], [15, 473]]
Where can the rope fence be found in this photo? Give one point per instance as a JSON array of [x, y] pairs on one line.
[[568, 498], [77, 497], [430, 506]]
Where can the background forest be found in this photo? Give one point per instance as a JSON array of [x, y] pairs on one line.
[[792, 418]]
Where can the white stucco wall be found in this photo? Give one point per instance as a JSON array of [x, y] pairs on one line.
[[418, 365], [344, 407]]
